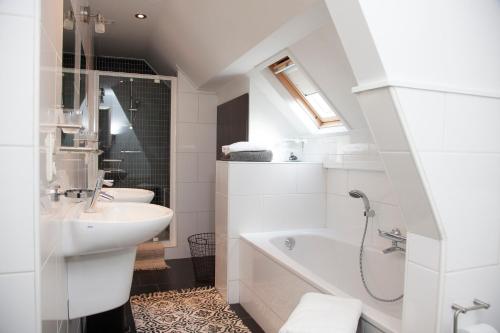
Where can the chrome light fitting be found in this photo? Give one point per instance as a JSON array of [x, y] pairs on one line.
[[100, 21], [69, 20]]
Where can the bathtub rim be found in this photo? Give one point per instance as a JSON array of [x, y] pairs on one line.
[[260, 241]]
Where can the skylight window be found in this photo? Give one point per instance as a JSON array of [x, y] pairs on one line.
[[305, 92]]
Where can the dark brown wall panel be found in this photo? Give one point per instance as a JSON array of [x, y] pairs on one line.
[[232, 122]]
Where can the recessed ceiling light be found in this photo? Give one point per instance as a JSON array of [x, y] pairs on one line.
[[140, 16]]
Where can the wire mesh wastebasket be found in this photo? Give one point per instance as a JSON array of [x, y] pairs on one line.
[[202, 248]]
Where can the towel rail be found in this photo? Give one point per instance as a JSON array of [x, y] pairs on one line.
[[459, 309]]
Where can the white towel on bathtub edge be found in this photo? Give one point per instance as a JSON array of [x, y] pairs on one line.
[[320, 313]]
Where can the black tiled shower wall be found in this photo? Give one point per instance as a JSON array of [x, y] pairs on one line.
[[143, 145]]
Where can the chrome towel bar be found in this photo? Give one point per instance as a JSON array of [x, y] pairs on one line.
[[478, 305]]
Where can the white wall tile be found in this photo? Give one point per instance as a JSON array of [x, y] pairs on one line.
[[221, 214], [424, 114], [387, 217], [199, 138], [337, 182], [233, 258], [345, 216], [311, 178], [207, 109], [383, 118], [16, 118], [17, 308], [265, 317], [292, 211], [471, 123], [465, 188], [423, 251], [18, 7], [187, 108], [413, 198], [17, 196], [195, 197], [262, 178], [206, 167], [221, 175], [187, 167], [233, 292], [245, 214], [420, 302], [186, 226], [374, 184], [206, 222]]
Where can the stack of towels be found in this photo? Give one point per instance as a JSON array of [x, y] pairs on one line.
[[319, 313], [247, 152]]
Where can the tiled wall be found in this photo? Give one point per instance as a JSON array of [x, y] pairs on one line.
[[460, 159], [345, 214], [32, 274], [195, 155], [259, 197], [19, 260]]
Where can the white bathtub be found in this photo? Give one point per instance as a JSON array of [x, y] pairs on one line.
[[273, 278]]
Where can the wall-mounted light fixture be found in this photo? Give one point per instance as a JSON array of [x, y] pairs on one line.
[[69, 20], [100, 21], [141, 16]]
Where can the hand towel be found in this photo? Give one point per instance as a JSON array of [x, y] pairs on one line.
[[243, 146], [320, 313]]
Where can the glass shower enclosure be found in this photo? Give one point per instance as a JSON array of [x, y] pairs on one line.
[[135, 137]]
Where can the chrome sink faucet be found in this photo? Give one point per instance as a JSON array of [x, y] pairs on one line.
[[96, 194]]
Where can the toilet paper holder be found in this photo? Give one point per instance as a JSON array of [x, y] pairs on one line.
[[478, 305]]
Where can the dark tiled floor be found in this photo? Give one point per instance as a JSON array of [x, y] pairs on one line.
[[179, 276]]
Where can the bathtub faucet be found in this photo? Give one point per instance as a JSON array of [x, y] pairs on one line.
[[396, 238]]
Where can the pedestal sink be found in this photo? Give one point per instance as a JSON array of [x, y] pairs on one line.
[[100, 252], [130, 194]]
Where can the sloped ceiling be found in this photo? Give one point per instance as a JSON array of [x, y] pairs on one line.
[[201, 37]]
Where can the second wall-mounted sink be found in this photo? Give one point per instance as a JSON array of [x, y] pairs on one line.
[[130, 194]]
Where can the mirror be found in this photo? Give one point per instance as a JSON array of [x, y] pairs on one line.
[[75, 83]]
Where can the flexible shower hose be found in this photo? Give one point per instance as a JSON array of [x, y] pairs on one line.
[[361, 250]]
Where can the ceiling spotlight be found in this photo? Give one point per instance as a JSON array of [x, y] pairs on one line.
[[140, 16]]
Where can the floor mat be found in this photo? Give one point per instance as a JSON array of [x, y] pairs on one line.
[[197, 310], [150, 256]]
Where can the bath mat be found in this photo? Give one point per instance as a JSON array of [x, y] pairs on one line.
[[197, 310], [150, 256]]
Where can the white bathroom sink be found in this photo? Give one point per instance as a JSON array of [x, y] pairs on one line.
[[114, 225], [100, 250], [130, 194]]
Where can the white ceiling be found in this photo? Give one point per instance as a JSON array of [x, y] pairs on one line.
[[203, 37]]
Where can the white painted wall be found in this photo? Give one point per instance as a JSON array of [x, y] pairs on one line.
[[195, 163]]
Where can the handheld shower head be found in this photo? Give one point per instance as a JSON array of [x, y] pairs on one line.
[[360, 195]]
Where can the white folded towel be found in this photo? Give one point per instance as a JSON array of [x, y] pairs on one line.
[[320, 313], [243, 146]]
